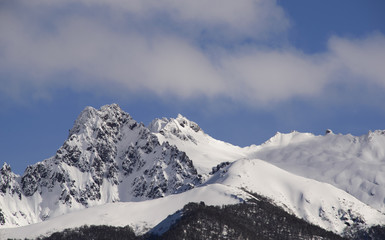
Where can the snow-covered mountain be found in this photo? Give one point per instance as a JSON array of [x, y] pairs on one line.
[[109, 158], [318, 203], [353, 164]]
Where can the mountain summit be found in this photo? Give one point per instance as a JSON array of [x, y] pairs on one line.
[[108, 157]]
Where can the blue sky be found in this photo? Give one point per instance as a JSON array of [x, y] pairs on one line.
[[242, 70]]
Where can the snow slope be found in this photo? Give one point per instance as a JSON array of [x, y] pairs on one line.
[[141, 216], [353, 164], [319, 203]]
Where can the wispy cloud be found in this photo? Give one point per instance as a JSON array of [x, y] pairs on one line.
[[198, 48], [361, 58]]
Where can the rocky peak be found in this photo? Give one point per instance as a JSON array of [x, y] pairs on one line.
[[91, 148], [110, 115], [184, 122], [179, 127], [6, 176], [328, 131], [110, 157], [5, 169], [157, 125], [8, 180], [173, 125], [94, 137]]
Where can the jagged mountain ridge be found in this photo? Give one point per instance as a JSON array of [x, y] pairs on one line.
[[109, 157], [353, 164]]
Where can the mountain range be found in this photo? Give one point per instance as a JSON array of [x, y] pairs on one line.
[[115, 171]]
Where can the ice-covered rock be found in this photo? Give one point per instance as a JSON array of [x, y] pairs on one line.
[[107, 157]]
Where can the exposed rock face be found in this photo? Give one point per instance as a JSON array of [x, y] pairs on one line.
[[8, 183], [107, 157], [176, 127]]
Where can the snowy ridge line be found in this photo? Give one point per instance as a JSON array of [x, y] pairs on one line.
[[353, 164], [135, 214], [316, 202]]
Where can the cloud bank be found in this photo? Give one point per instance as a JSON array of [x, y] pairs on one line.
[[184, 49]]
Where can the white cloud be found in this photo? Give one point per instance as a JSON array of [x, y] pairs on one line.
[[265, 76], [116, 51], [363, 58], [226, 18]]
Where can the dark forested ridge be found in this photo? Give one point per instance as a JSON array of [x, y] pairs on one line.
[[256, 219], [94, 233]]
